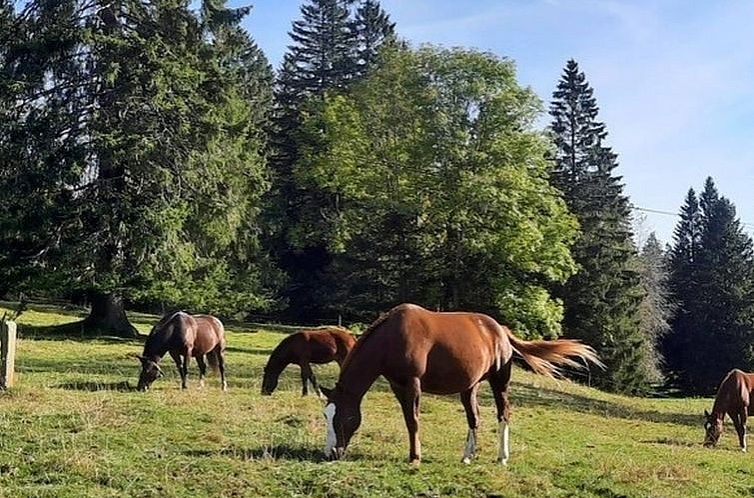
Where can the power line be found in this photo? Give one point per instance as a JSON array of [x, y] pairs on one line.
[[669, 213]]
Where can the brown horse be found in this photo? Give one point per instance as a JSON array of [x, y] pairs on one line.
[[734, 398], [183, 336], [441, 353], [317, 346]]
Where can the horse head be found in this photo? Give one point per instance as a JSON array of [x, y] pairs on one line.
[[150, 371], [713, 427], [269, 382], [343, 415]]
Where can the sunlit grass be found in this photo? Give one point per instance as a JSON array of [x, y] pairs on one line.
[[73, 427]]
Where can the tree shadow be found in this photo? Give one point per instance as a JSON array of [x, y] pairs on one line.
[[254, 351], [274, 452], [71, 332], [549, 398], [122, 386]]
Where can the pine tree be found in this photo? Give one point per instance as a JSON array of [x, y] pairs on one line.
[[684, 285], [321, 59], [602, 300], [154, 163], [372, 28], [714, 330]]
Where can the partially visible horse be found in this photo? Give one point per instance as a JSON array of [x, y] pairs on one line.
[[418, 350], [321, 345], [184, 336], [733, 397]]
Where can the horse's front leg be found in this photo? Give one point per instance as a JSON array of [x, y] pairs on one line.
[[471, 406], [178, 363], [202, 369], [409, 396], [741, 428], [184, 369]]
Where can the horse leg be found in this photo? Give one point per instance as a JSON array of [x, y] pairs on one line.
[[184, 369], [470, 404], [306, 373], [742, 432], [313, 380], [177, 359], [409, 396], [202, 369], [221, 366], [499, 381]]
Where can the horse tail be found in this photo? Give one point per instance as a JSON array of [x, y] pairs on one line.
[[546, 357], [213, 360]]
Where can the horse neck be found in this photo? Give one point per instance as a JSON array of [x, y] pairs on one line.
[[363, 367], [156, 345], [280, 358]]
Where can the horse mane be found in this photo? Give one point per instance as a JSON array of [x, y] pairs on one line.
[[363, 338]]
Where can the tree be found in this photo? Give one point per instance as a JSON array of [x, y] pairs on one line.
[[441, 190], [656, 308], [371, 28], [602, 300], [323, 57], [162, 163], [714, 329]]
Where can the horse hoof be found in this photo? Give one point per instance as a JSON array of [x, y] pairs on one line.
[[466, 460], [415, 463], [743, 450], [504, 462]]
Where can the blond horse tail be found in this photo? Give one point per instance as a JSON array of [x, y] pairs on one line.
[[546, 357]]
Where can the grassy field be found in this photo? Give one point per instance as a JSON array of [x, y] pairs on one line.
[[73, 426]]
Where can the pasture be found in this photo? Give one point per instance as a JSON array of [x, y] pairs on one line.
[[73, 426]]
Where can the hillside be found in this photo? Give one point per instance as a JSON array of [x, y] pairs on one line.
[[73, 427]]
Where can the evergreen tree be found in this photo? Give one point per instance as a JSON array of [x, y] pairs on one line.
[[155, 157], [372, 28], [323, 57], [602, 300], [714, 281]]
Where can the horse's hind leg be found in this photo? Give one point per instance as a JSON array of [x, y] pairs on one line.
[[202, 369], [470, 404], [499, 381], [741, 428], [409, 396], [221, 366]]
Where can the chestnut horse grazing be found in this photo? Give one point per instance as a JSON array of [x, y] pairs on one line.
[[321, 345], [183, 336], [734, 398], [418, 350]]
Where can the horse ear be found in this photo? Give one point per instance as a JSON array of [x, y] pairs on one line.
[[327, 392]]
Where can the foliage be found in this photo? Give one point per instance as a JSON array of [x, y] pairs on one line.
[[143, 145], [602, 301], [712, 262], [439, 190]]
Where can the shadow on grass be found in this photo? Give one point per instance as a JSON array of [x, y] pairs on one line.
[[256, 351], [122, 386], [277, 452], [71, 332], [528, 395]]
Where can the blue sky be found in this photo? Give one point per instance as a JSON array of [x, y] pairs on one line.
[[674, 79]]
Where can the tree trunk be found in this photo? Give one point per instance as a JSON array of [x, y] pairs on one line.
[[108, 317]]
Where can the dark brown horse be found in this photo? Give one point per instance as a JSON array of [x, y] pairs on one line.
[[441, 353], [317, 346], [184, 336], [734, 398]]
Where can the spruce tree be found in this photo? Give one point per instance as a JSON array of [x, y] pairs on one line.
[[372, 28], [321, 59], [713, 278], [152, 160], [602, 300]]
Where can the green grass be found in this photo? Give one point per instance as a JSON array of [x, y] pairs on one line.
[[72, 427]]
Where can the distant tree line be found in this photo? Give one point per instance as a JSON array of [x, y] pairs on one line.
[[150, 157]]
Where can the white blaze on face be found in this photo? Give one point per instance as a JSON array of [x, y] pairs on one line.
[[504, 452], [470, 450], [331, 439]]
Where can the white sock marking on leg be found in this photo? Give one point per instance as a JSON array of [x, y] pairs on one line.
[[331, 439], [504, 437], [470, 449]]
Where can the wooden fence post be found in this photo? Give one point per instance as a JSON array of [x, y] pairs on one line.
[[7, 353]]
